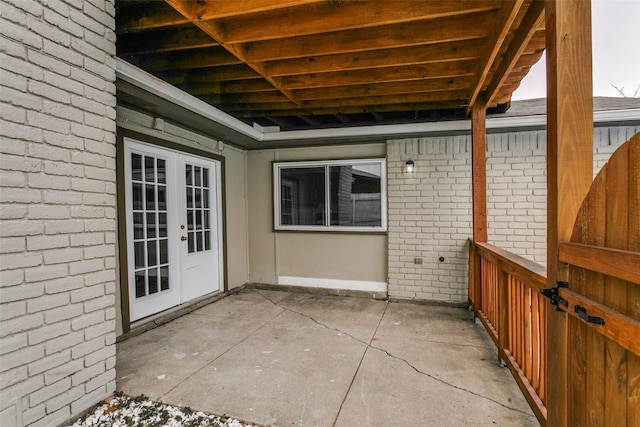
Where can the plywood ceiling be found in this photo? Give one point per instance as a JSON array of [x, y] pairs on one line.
[[301, 64]]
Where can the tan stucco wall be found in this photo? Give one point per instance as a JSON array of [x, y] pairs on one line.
[[346, 256], [236, 215]]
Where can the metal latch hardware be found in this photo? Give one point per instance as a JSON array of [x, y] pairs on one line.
[[582, 312], [552, 294]]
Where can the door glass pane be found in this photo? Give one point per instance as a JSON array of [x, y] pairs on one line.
[[197, 174], [189, 175], [191, 241], [162, 225], [151, 197], [162, 198], [138, 248], [199, 237], [207, 240], [205, 198], [138, 225], [205, 177], [141, 288], [152, 256], [164, 251], [149, 169], [151, 225], [198, 198], [164, 278], [189, 219], [136, 167], [189, 197], [162, 171], [153, 281], [138, 199]]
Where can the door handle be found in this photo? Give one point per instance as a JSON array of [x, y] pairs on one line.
[[183, 238]]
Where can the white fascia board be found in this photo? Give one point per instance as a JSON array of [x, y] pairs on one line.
[[143, 123], [364, 131], [156, 86], [631, 114], [608, 116]]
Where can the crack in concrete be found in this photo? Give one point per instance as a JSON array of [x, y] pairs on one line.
[[405, 361]]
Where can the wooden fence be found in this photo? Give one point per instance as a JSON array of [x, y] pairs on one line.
[[505, 293]]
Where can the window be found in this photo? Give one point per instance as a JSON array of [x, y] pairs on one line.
[[340, 195]]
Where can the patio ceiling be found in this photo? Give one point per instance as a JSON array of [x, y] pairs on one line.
[[315, 64]]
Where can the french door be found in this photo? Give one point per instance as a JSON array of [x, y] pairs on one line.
[[174, 237]]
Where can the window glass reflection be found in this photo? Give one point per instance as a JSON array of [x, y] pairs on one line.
[[355, 195], [302, 196]]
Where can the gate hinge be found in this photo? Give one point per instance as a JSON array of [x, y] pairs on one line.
[[552, 294]]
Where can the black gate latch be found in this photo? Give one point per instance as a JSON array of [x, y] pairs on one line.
[[582, 313], [552, 294]]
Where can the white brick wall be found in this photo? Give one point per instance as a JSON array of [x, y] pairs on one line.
[[430, 211], [517, 193], [429, 217], [57, 172]]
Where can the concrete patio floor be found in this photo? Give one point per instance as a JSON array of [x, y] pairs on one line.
[[283, 359]]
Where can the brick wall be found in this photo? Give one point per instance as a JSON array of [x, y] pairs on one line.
[[430, 211], [429, 216], [57, 314]]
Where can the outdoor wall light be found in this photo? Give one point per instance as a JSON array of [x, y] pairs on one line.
[[409, 166]]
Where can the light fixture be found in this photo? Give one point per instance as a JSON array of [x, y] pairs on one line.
[[409, 166]]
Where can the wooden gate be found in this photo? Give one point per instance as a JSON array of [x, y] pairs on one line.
[[602, 298]]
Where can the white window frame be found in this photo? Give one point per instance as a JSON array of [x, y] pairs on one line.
[[278, 166]]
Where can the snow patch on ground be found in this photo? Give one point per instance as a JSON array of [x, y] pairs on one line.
[[121, 411]]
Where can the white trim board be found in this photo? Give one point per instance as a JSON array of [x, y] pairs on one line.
[[350, 285]]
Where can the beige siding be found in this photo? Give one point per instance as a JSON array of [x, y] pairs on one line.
[[319, 255], [236, 215]]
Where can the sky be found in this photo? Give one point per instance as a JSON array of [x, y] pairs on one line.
[[616, 52]]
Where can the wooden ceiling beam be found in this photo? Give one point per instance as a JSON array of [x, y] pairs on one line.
[[529, 26], [234, 108], [423, 106], [328, 57], [212, 74], [213, 28], [164, 40], [450, 29], [324, 17], [459, 96], [499, 31], [240, 86], [431, 85], [249, 98], [215, 9], [185, 60], [414, 55], [380, 75], [456, 96], [138, 16]]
